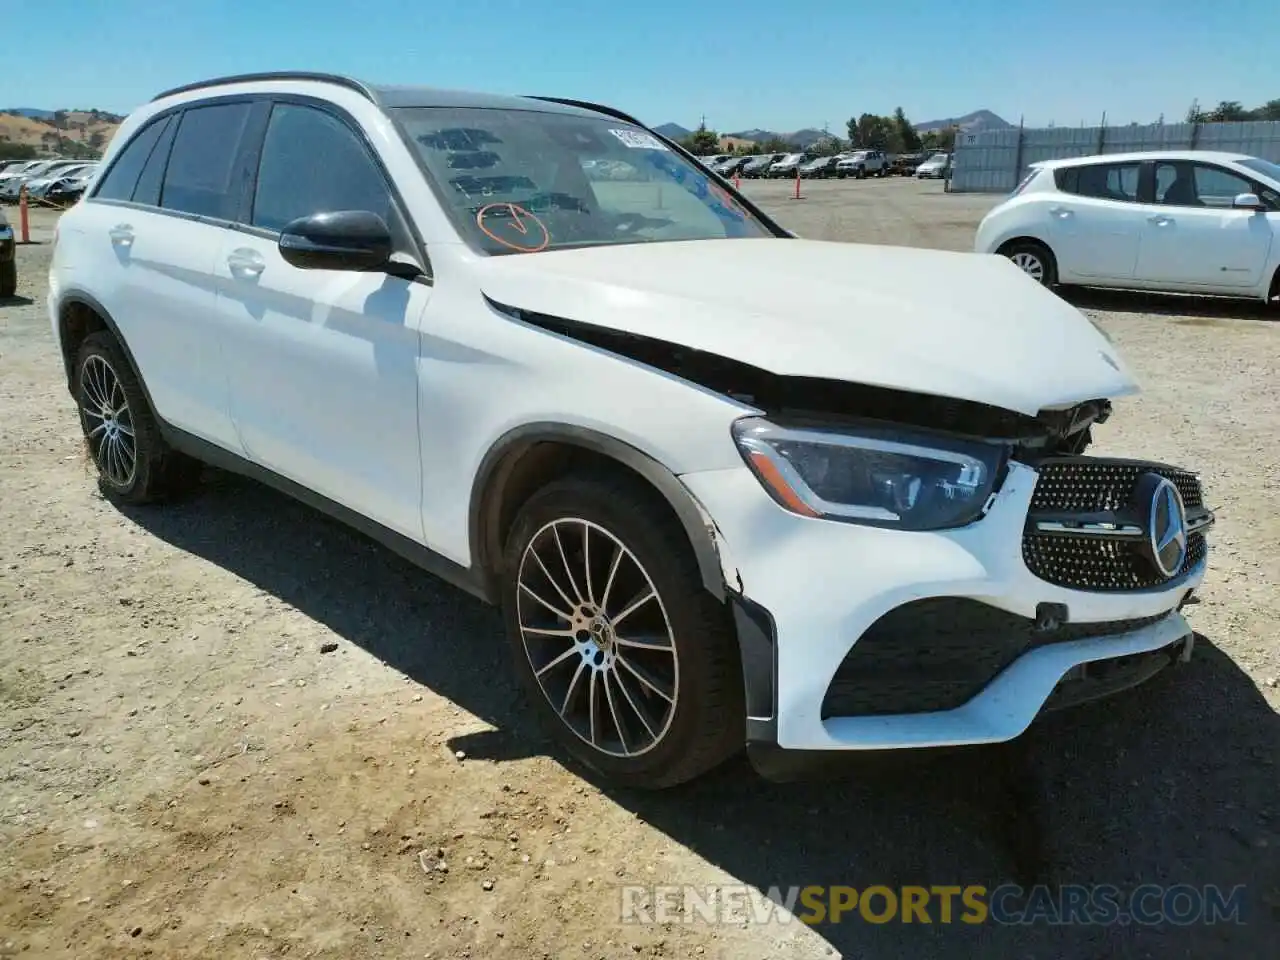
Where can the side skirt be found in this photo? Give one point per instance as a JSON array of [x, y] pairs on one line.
[[465, 578]]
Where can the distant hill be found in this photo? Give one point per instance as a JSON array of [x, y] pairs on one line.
[[802, 138], [89, 130], [975, 122], [673, 131]]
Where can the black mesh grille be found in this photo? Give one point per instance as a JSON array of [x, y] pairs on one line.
[[1094, 563], [1094, 484], [937, 654], [1090, 487]]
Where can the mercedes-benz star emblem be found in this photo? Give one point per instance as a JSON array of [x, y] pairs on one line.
[[1167, 528]]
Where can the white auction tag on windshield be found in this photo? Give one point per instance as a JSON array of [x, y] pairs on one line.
[[639, 140]]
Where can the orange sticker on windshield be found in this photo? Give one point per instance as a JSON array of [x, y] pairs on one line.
[[513, 226]]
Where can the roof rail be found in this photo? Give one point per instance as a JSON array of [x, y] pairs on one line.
[[348, 82]]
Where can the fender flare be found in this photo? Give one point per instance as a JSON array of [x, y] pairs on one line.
[[75, 296], [498, 463]]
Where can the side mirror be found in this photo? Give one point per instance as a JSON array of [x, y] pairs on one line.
[[337, 240], [1247, 201]]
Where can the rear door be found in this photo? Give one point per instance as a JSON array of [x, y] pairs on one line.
[[155, 230], [1193, 237], [323, 364], [1094, 221]]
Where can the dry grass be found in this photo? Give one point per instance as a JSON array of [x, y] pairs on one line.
[[79, 127]]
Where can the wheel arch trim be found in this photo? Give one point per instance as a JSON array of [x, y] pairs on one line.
[[77, 297], [498, 463]]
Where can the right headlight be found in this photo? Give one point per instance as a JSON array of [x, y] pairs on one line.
[[872, 475]]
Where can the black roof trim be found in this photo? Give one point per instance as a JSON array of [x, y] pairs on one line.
[[350, 83], [595, 108]]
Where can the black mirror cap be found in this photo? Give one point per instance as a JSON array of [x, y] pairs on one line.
[[337, 240]]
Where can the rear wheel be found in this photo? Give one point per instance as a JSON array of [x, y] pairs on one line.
[[629, 661], [1034, 259], [122, 436]]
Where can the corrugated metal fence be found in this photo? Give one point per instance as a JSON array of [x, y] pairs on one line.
[[994, 161]]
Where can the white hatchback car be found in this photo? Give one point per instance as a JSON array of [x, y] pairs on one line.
[[1181, 221], [726, 484]]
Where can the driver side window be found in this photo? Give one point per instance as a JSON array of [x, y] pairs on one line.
[[311, 163]]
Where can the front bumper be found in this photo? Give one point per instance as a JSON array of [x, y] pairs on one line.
[[812, 590]]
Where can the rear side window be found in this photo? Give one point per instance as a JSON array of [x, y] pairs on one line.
[[122, 178], [203, 176], [1105, 181], [148, 189]]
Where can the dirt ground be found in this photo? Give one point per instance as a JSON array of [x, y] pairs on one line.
[[186, 772]]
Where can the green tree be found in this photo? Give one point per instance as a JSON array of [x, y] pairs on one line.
[[17, 151], [939, 140], [908, 139], [702, 142], [775, 144], [1228, 111], [1268, 111]]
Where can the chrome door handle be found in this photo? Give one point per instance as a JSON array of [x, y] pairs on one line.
[[1160, 220], [245, 263], [121, 235], [1060, 212]]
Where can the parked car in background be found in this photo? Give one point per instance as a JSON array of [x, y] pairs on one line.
[[38, 187], [759, 166], [935, 168], [1190, 221], [21, 168], [68, 190], [905, 164], [819, 168], [11, 187], [8, 259], [787, 166], [863, 163], [732, 166]]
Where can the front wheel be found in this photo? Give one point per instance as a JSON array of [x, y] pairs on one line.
[[1034, 259], [630, 662]]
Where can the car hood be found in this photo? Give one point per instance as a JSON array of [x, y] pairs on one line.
[[960, 325]]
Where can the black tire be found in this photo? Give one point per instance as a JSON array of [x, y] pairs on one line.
[[1033, 249], [8, 279], [862, 173], [705, 725], [102, 378]]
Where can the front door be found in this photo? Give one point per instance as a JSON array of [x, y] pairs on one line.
[[323, 363], [1192, 236]]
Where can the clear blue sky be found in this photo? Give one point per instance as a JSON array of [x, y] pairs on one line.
[[744, 63]]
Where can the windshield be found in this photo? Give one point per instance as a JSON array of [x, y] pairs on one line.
[[522, 181], [1264, 167]]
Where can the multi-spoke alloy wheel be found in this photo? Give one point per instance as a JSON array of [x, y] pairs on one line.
[[623, 652], [1030, 264], [134, 463], [598, 637], [108, 421]]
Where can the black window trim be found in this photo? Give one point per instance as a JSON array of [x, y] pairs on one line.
[[1256, 187], [1060, 174], [250, 154], [178, 109], [254, 158]]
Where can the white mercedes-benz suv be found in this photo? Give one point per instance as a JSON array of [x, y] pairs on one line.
[[727, 485]]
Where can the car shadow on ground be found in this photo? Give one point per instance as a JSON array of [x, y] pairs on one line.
[[1173, 783], [16, 301], [1190, 309]]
